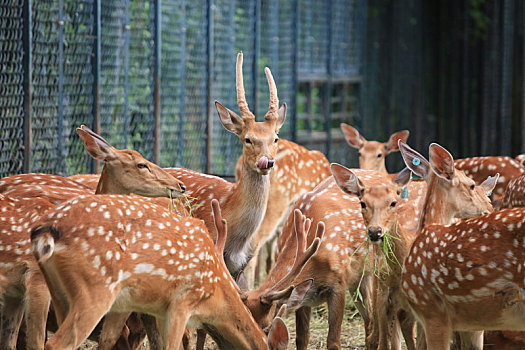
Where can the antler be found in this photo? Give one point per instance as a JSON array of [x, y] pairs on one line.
[[274, 100], [241, 97], [302, 255]]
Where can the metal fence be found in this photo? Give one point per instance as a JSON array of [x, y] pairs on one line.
[[145, 73]]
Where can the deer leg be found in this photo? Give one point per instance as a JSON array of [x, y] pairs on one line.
[[154, 337], [37, 308], [368, 312], [112, 329], [438, 333], [407, 324], [384, 319], [471, 340], [336, 310], [10, 320], [173, 327], [302, 327], [201, 339], [83, 316], [251, 267]]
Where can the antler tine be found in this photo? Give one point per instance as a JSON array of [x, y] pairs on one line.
[[274, 100], [222, 230], [241, 97], [302, 255]]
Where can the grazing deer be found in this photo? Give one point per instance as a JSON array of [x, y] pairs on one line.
[[25, 282], [297, 171], [372, 154], [479, 168], [243, 203], [467, 276], [147, 261], [445, 199]]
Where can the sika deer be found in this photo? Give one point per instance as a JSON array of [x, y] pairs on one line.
[[514, 195], [372, 154], [244, 203], [382, 214], [25, 282], [148, 261], [450, 285]]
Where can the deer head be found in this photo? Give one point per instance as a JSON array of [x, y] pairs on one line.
[[259, 138], [128, 171], [464, 199], [372, 153], [378, 203]]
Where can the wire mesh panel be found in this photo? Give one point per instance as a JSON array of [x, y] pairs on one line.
[[172, 90], [313, 37], [12, 90]]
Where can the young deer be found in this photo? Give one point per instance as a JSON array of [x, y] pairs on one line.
[[514, 195], [297, 171], [243, 203], [467, 276], [372, 154], [382, 214], [479, 168], [148, 260], [89, 180], [25, 282]]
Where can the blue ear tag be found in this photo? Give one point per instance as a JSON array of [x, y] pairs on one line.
[[416, 161], [404, 193]]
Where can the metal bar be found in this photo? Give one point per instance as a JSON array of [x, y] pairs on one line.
[[182, 82], [506, 77], [94, 165], [257, 44], [127, 29], [157, 46], [328, 87], [27, 38], [60, 136], [523, 79], [209, 108], [295, 85]]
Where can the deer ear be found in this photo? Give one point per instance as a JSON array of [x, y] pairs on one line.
[[392, 144], [281, 117], [403, 178], [352, 136], [414, 161], [96, 146], [298, 294], [347, 180], [489, 184], [229, 119], [278, 337], [442, 162]]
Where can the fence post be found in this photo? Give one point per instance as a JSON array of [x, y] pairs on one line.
[[295, 85], [127, 33], [157, 45], [95, 69], [506, 77], [60, 136], [182, 82], [328, 88], [209, 99], [27, 38]]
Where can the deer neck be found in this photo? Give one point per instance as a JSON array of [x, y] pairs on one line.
[[244, 211], [436, 209], [105, 186], [400, 245]]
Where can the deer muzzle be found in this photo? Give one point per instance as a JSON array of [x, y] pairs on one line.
[[265, 163], [375, 233]]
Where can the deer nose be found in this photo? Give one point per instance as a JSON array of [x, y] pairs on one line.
[[374, 233], [271, 162]]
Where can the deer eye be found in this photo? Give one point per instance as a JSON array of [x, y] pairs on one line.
[[276, 139], [363, 205], [359, 154], [248, 141], [379, 155], [142, 166], [472, 187], [393, 204]]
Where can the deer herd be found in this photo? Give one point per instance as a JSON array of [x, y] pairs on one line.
[[427, 261]]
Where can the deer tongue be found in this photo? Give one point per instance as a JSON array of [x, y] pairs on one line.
[[263, 163]]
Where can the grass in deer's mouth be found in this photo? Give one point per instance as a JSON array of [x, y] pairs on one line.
[[189, 202], [379, 267]]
